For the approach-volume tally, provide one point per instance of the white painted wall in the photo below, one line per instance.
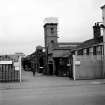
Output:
(103, 17)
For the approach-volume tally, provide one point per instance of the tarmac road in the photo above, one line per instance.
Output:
(46, 90)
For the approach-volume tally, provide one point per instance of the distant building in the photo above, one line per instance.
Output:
(87, 58)
(35, 61)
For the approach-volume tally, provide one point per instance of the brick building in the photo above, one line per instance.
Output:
(55, 52)
(83, 60)
(88, 57)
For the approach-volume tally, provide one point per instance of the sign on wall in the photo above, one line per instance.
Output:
(77, 62)
(17, 66)
(5, 62)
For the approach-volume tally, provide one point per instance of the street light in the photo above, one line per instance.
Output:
(101, 25)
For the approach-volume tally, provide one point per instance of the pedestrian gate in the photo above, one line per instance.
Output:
(8, 72)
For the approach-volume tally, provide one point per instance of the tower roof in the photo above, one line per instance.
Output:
(50, 20)
(39, 47)
(102, 7)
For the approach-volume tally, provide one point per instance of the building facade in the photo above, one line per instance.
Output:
(85, 60)
(103, 18)
(56, 53)
(88, 60)
(88, 57)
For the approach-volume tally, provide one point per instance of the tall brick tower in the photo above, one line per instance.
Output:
(50, 33)
(50, 37)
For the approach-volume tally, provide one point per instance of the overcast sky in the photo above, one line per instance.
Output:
(21, 22)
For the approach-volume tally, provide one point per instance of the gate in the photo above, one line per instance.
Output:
(8, 72)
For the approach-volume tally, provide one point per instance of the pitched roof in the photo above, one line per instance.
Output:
(63, 48)
(59, 53)
(89, 43)
(69, 43)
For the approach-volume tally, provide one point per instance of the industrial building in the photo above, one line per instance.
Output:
(85, 60)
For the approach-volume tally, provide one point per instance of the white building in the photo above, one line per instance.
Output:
(103, 17)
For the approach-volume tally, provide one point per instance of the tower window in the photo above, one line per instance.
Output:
(52, 30)
(52, 43)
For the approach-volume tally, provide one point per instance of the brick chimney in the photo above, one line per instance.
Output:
(96, 31)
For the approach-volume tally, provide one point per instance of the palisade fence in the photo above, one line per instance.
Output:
(88, 67)
(9, 70)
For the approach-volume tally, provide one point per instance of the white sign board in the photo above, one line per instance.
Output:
(17, 68)
(5, 62)
(77, 62)
(68, 64)
(16, 64)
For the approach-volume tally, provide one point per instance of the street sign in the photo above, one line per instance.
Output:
(16, 64)
(17, 68)
(77, 62)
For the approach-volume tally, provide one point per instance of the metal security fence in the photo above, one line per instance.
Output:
(10, 67)
(8, 73)
(88, 67)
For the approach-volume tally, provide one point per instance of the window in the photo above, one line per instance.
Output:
(94, 50)
(80, 52)
(87, 51)
(52, 30)
(52, 44)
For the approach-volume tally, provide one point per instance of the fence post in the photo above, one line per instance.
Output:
(74, 67)
(20, 69)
